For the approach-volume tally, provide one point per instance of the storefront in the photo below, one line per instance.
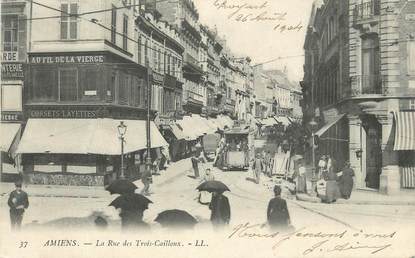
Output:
(74, 103)
(68, 148)
(12, 82)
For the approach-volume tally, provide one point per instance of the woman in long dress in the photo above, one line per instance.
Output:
(346, 181)
(332, 189)
(301, 186)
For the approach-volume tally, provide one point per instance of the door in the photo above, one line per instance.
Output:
(373, 156)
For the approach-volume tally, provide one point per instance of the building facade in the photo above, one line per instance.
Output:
(84, 78)
(358, 76)
(14, 47)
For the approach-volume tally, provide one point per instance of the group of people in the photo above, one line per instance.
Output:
(339, 184)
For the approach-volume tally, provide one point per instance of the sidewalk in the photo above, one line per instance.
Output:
(361, 197)
(175, 170)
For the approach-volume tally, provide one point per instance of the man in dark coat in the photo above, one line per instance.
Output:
(221, 210)
(195, 165)
(277, 213)
(18, 202)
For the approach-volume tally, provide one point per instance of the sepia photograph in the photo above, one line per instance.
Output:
(207, 128)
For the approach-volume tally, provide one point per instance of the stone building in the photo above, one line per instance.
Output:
(359, 76)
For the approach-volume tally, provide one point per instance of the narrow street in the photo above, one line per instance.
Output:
(175, 189)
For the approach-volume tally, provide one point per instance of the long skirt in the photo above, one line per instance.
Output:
(332, 191)
(301, 184)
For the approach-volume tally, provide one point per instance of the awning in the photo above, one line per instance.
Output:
(404, 131)
(8, 132)
(86, 136)
(178, 133)
(188, 128)
(269, 121)
(323, 129)
(283, 120)
(203, 125)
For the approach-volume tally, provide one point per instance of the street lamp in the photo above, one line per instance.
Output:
(313, 124)
(122, 129)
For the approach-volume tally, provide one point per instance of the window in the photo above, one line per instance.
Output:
(11, 97)
(370, 82)
(90, 79)
(125, 33)
(168, 64)
(69, 23)
(146, 58)
(411, 57)
(114, 25)
(68, 84)
(139, 52)
(9, 33)
(123, 89)
(44, 85)
(412, 104)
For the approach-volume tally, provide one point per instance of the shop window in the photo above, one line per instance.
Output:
(125, 33)
(9, 33)
(90, 79)
(411, 57)
(11, 97)
(69, 23)
(123, 89)
(113, 24)
(68, 84)
(44, 82)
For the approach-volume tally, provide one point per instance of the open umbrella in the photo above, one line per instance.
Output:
(213, 186)
(121, 186)
(176, 218)
(131, 201)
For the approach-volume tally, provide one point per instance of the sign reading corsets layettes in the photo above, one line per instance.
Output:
(67, 59)
(63, 114)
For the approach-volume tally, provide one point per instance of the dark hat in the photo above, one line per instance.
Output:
(18, 183)
(277, 190)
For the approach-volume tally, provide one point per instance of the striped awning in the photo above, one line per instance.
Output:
(404, 130)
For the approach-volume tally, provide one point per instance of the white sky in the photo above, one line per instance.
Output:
(258, 39)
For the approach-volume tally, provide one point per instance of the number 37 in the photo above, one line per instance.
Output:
(23, 244)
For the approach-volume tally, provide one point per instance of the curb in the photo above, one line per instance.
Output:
(307, 198)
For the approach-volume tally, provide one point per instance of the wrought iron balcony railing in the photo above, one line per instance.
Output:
(367, 10)
(361, 85)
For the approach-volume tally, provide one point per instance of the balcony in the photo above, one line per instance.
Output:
(368, 12)
(193, 97)
(192, 63)
(364, 85)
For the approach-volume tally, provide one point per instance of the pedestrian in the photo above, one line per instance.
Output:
(301, 182)
(18, 202)
(208, 176)
(195, 165)
(257, 168)
(203, 195)
(278, 216)
(346, 181)
(322, 165)
(156, 166)
(146, 179)
(220, 209)
(132, 219)
(332, 189)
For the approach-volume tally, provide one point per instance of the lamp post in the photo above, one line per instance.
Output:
(313, 124)
(122, 129)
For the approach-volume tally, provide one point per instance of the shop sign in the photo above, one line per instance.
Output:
(9, 56)
(330, 114)
(67, 59)
(158, 78)
(12, 71)
(11, 116)
(63, 114)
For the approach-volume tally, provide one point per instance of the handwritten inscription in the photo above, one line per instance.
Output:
(262, 12)
(327, 242)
